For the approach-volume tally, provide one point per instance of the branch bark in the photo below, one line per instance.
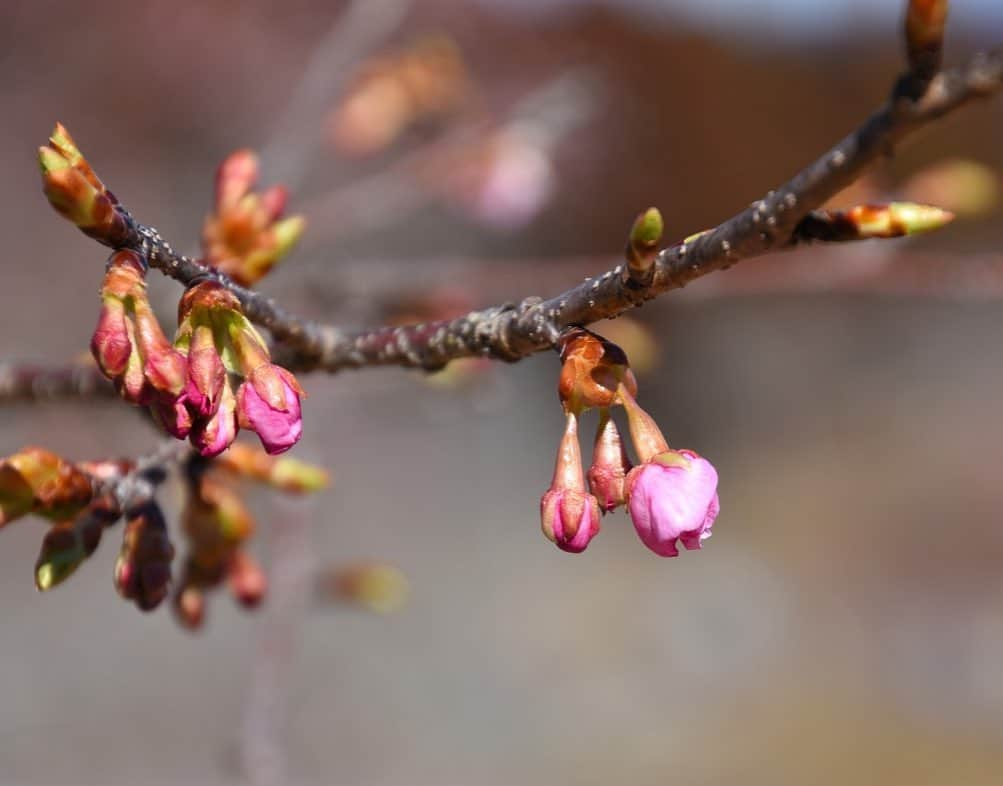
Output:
(513, 331)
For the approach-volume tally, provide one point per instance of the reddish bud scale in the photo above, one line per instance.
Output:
(593, 370)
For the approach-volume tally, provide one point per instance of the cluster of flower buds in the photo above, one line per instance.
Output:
(131, 349)
(245, 235)
(77, 193)
(217, 525)
(671, 495)
(220, 342)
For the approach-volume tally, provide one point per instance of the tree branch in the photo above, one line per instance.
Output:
(511, 332)
(37, 382)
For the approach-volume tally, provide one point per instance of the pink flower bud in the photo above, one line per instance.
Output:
(110, 344)
(206, 373)
(673, 497)
(212, 435)
(569, 515)
(610, 465)
(570, 518)
(269, 404)
(173, 415)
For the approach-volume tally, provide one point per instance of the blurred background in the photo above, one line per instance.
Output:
(845, 623)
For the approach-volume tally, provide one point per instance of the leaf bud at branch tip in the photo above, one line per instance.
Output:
(76, 192)
(897, 219)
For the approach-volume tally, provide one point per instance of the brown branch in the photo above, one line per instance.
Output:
(514, 331)
(31, 382)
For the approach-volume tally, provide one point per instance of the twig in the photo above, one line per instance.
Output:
(513, 331)
(36, 382)
(138, 486)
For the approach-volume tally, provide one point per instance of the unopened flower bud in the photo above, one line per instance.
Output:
(212, 435)
(246, 579)
(673, 497)
(189, 606)
(592, 371)
(38, 481)
(143, 568)
(269, 404)
(569, 515)
(128, 344)
(206, 373)
(65, 546)
(610, 465)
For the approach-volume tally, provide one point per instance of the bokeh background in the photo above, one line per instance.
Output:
(845, 623)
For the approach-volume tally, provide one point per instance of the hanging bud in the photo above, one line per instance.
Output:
(75, 191)
(244, 237)
(65, 546)
(673, 497)
(268, 403)
(569, 515)
(217, 524)
(143, 568)
(610, 465)
(204, 314)
(214, 434)
(128, 344)
(642, 246)
(285, 473)
(246, 579)
(189, 605)
(672, 494)
(593, 370)
(37, 481)
(206, 373)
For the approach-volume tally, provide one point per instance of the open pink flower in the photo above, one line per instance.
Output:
(673, 497)
(268, 403)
